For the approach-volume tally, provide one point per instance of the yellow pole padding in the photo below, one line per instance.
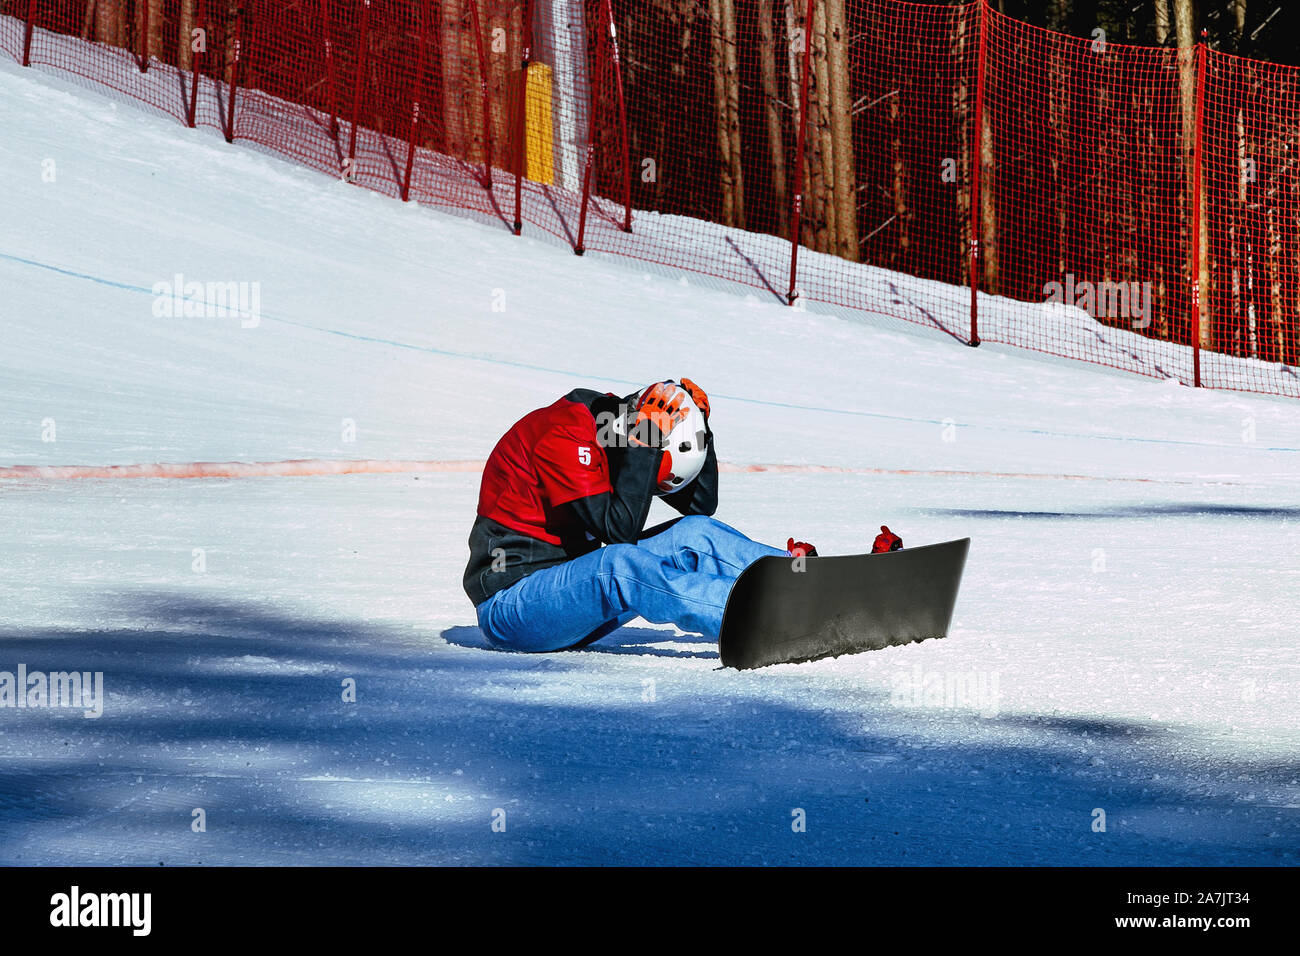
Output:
(539, 123)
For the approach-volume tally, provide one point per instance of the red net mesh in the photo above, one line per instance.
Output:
(134, 48)
(295, 65)
(709, 136)
(1250, 338)
(1084, 218)
(905, 205)
(1135, 207)
(12, 31)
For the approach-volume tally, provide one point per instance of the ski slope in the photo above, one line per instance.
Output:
(1128, 619)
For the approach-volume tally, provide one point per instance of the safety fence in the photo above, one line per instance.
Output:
(1136, 207)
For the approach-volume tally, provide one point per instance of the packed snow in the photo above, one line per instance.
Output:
(1125, 641)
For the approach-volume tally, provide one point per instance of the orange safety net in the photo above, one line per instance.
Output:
(1135, 207)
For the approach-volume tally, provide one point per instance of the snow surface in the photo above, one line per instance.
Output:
(1129, 611)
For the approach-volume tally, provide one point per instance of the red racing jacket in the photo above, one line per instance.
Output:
(559, 484)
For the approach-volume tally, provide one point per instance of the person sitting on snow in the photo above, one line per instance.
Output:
(558, 554)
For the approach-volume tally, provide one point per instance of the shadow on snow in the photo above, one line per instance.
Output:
(237, 709)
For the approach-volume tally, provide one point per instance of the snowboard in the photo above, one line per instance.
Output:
(841, 604)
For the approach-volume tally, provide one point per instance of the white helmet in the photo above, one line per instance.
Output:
(686, 447)
(685, 451)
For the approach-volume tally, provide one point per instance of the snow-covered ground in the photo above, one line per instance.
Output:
(1130, 611)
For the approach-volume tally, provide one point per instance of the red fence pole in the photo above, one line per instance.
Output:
(234, 76)
(580, 248)
(602, 43)
(415, 100)
(143, 61)
(796, 203)
(483, 91)
(520, 124)
(200, 17)
(27, 33)
(1196, 216)
(977, 177)
(363, 60)
(326, 21)
(622, 117)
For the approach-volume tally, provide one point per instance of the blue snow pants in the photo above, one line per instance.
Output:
(679, 575)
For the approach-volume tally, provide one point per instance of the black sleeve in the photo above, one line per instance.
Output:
(700, 497)
(617, 517)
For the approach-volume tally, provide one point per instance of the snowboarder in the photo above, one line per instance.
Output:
(558, 554)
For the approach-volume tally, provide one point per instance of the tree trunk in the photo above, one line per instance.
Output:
(1163, 28)
(110, 22)
(898, 187)
(1256, 308)
(184, 36)
(1198, 258)
(232, 32)
(794, 50)
(471, 88)
(157, 13)
(988, 207)
(499, 65)
(1279, 147)
(824, 151)
(767, 53)
(679, 66)
(721, 131)
(1058, 111)
(731, 58)
(514, 25)
(1250, 255)
(961, 122)
(1058, 15)
(88, 20)
(454, 80)
(148, 28)
(841, 116)
(1237, 9)
(1126, 137)
(795, 38)
(1152, 207)
(725, 71)
(1275, 341)
(1236, 343)
(1104, 235)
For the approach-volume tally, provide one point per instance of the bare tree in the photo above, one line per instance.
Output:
(1058, 15)
(821, 140)
(1239, 249)
(988, 206)
(88, 20)
(800, 38)
(767, 52)
(1237, 9)
(500, 60)
(232, 29)
(1058, 114)
(148, 28)
(471, 88)
(185, 36)
(110, 22)
(961, 112)
(841, 128)
(454, 80)
(725, 70)
(898, 184)
(1198, 261)
(1163, 22)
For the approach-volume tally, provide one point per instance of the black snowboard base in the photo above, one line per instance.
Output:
(842, 604)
